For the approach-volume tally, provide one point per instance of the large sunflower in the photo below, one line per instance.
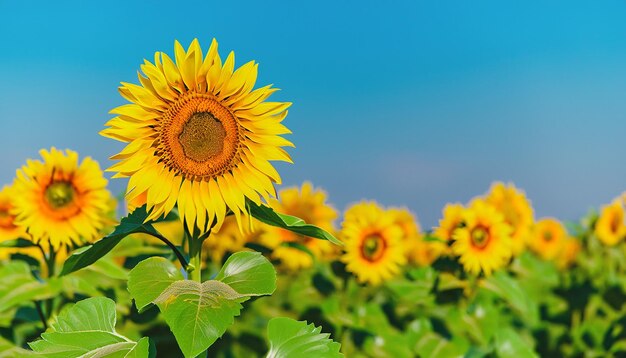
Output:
(199, 136)
(59, 201)
(484, 242)
(610, 227)
(309, 204)
(374, 249)
(517, 212)
(548, 238)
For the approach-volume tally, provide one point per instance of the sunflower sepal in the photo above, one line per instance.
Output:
(134, 223)
(269, 216)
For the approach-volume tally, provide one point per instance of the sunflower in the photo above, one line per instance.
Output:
(418, 251)
(309, 204)
(568, 255)
(59, 201)
(451, 220)
(8, 229)
(484, 242)
(374, 249)
(610, 227)
(548, 238)
(198, 136)
(517, 212)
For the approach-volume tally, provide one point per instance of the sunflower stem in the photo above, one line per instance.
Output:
(195, 253)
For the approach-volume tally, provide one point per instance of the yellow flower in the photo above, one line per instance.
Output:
(517, 212)
(228, 239)
(451, 220)
(309, 204)
(548, 238)
(571, 248)
(484, 242)
(418, 251)
(59, 201)
(610, 227)
(8, 229)
(198, 136)
(374, 249)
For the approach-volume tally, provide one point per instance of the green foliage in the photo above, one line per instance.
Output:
(131, 224)
(199, 313)
(19, 287)
(87, 329)
(291, 338)
(268, 216)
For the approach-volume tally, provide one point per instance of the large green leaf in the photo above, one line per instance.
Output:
(199, 313)
(133, 223)
(291, 338)
(19, 287)
(150, 278)
(87, 329)
(248, 273)
(268, 216)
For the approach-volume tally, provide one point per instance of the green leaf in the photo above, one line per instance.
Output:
(150, 278)
(9, 350)
(510, 344)
(197, 313)
(87, 329)
(248, 273)
(133, 223)
(291, 338)
(268, 216)
(509, 289)
(19, 287)
(17, 243)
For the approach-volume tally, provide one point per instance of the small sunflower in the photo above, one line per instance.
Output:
(610, 227)
(374, 249)
(309, 204)
(199, 136)
(452, 219)
(548, 238)
(568, 255)
(484, 242)
(8, 229)
(418, 251)
(517, 212)
(59, 201)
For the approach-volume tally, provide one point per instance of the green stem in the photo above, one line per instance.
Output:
(194, 269)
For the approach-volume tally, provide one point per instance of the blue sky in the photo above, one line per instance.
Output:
(414, 103)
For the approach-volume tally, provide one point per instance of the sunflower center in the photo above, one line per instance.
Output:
(373, 248)
(59, 194)
(547, 236)
(615, 223)
(199, 137)
(202, 137)
(480, 237)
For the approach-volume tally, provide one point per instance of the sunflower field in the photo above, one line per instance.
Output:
(203, 256)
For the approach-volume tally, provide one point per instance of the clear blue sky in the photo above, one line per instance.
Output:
(414, 103)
